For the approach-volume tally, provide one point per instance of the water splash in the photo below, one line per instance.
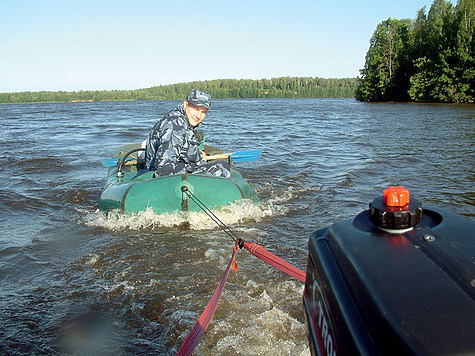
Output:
(234, 213)
(238, 212)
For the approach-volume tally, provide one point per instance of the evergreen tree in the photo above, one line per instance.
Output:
(433, 59)
(386, 63)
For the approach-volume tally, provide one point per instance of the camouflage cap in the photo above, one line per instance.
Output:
(199, 97)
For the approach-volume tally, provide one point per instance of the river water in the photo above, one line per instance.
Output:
(76, 281)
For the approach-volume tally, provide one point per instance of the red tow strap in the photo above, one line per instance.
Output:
(198, 330)
(260, 252)
(273, 260)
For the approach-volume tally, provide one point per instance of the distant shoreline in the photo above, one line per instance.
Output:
(283, 87)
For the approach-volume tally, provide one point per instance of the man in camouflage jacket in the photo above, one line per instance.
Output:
(173, 145)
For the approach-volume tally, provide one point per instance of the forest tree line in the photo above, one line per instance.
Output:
(284, 87)
(429, 59)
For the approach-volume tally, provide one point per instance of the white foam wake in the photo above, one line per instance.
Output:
(234, 213)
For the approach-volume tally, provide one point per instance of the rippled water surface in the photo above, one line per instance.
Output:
(76, 281)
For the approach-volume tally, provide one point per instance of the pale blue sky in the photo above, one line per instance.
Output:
(93, 44)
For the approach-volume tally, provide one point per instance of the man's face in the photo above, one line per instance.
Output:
(195, 114)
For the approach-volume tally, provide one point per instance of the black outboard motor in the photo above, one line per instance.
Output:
(395, 280)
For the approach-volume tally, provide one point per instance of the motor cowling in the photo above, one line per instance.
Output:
(395, 279)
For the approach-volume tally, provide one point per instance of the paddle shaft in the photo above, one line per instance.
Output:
(241, 156)
(220, 156)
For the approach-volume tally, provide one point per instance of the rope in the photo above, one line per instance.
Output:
(198, 330)
(213, 217)
(200, 327)
(257, 250)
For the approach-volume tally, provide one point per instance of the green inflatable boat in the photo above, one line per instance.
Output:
(128, 191)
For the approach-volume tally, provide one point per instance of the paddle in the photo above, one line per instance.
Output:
(241, 156)
(111, 162)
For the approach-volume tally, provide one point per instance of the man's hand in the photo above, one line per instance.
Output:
(203, 153)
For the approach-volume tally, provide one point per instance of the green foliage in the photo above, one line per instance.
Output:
(284, 87)
(429, 59)
(386, 62)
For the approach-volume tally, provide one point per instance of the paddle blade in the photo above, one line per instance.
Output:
(243, 156)
(111, 162)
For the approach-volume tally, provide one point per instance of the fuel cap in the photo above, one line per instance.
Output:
(395, 210)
